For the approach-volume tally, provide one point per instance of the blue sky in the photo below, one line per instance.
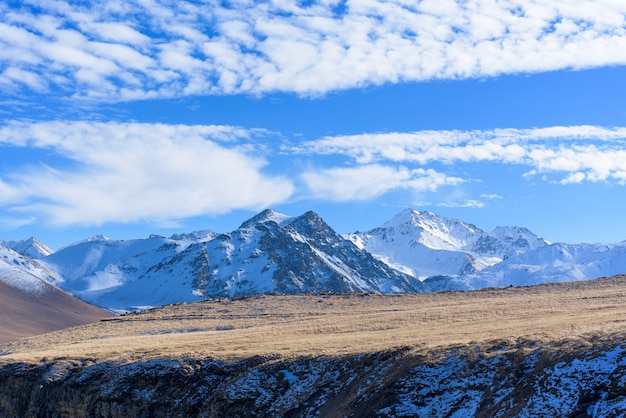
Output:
(144, 116)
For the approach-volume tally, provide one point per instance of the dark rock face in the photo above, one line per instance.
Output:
(298, 255)
(302, 250)
(525, 379)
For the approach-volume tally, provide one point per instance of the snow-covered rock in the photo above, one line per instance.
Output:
(31, 247)
(528, 379)
(269, 253)
(553, 263)
(21, 272)
(425, 244)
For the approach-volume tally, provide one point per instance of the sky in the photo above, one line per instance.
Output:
(138, 117)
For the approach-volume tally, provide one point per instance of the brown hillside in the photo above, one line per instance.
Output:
(24, 314)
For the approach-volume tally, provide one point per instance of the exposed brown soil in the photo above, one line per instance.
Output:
(25, 314)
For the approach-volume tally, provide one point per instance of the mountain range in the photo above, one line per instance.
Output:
(424, 244)
(274, 253)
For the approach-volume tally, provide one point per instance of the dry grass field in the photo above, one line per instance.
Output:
(335, 324)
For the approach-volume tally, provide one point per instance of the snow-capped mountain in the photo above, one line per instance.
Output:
(424, 244)
(270, 252)
(553, 263)
(24, 273)
(117, 274)
(31, 247)
(275, 253)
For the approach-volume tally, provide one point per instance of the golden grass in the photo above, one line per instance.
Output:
(311, 325)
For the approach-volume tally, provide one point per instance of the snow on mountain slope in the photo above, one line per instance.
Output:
(425, 244)
(273, 252)
(104, 272)
(31, 247)
(554, 263)
(270, 252)
(28, 275)
(21, 279)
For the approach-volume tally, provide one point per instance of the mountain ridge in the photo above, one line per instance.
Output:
(276, 253)
(426, 244)
(31, 247)
(269, 253)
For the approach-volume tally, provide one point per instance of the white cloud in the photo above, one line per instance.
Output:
(11, 223)
(491, 196)
(128, 172)
(577, 177)
(15, 76)
(115, 32)
(259, 47)
(464, 204)
(8, 194)
(598, 153)
(133, 172)
(370, 181)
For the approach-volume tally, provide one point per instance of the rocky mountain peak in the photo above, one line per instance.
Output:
(97, 238)
(268, 215)
(429, 229)
(203, 235)
(310, 224)
(31, 247)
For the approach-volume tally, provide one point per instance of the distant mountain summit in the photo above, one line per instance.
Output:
(205, 235)
(432, 230)
(31, 247)
(553, 263)
(425, 244)
(268, 215)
